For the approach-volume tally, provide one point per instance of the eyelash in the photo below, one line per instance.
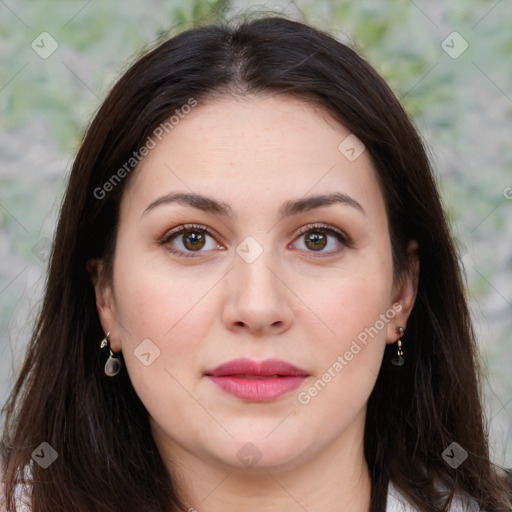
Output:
(318, 227)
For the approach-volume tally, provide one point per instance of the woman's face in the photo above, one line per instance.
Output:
(288, 258)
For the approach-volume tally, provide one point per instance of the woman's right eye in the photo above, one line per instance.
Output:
(186, 240)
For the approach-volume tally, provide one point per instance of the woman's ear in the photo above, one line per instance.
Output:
(404, 292)
(105, 303)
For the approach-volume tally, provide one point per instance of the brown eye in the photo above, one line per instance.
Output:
(321, 239)
(189, 239)
(315, 240)
(193, 240)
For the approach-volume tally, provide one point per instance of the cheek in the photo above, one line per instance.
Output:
(351, 300)
(355, 311)
(154, 298)
(173, 307)
(175, 313)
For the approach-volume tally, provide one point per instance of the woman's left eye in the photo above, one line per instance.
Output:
(321, 239)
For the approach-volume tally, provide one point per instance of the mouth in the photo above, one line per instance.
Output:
(257, 381)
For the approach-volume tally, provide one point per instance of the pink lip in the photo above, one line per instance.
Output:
(257, 382)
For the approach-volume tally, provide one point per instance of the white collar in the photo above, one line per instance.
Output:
(398, 503)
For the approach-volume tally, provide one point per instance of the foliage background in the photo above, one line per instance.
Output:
(462, 106)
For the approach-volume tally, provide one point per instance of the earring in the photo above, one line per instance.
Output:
(399, 359)
(113, 364)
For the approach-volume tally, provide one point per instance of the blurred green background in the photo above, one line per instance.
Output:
(460, 98)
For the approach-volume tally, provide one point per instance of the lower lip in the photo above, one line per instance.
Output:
(258, 390)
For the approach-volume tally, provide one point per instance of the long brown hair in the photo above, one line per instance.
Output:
(107, 459)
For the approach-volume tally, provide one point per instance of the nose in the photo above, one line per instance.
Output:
(258, 300)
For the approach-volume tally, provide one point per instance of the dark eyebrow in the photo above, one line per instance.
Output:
(195, 200)
(305, 204)
(289, 208)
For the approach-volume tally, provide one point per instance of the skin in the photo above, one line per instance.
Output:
(292, 303)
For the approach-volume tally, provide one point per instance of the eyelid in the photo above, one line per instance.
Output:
(320, 225)
(188, 227)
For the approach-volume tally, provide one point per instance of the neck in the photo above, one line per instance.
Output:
(335, 479)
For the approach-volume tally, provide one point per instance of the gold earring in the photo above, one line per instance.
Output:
(399, 359)
(113, 364)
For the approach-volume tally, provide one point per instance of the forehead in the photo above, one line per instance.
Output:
(246, 147)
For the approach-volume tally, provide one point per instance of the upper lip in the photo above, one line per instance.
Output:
(244, 366)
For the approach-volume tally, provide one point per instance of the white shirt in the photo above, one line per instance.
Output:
(398, 503)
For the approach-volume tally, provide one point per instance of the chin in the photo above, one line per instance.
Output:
(252, 453)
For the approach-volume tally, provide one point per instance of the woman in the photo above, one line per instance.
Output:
(253, 300)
